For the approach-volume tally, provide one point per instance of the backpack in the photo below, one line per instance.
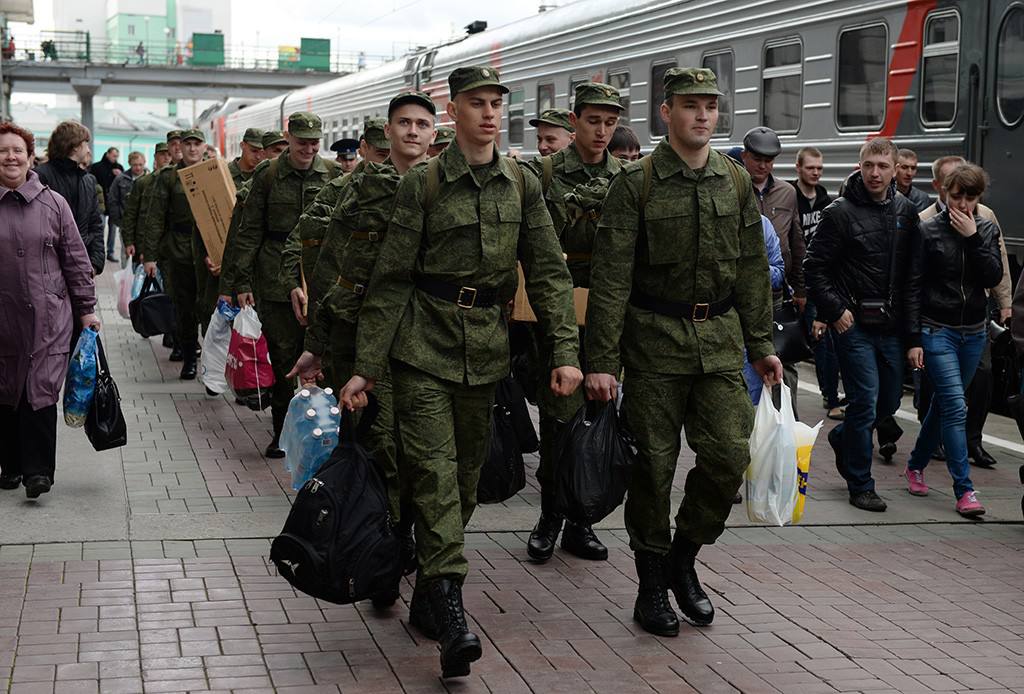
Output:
(337, 543)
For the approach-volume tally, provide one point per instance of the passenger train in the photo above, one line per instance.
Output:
(938, 76)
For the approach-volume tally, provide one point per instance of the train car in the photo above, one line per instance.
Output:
(212, 121)
(939, 76)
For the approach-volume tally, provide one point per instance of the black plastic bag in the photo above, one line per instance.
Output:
(503, 474)
(104, 424)
(788, 334)
(1005, 371)
(595, 455)
(510, 395)
(152, 311)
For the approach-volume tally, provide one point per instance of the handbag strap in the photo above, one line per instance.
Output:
(101, 358)
(356, 432)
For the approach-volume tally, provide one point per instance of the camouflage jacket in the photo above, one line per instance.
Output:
(167, 234)
(135, 211)
(470, 235)
(271, 210)
(697, 240)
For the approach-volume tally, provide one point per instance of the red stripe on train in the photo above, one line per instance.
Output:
(906, 56)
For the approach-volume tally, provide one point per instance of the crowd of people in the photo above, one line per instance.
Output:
(388, 272)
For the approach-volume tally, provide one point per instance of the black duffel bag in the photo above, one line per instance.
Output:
(789, 334)
(503, 474)
(338, 543)
(595, 455)
(510, 395)
(152, 312)
(104, 424)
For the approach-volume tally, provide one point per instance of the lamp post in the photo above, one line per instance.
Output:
(148, 47)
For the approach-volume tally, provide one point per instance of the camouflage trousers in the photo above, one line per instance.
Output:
(715, 412)
(443, 428)
(207, 291)
(284, 344)
(554, 412)
(180, 279)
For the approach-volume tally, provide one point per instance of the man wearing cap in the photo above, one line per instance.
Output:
(242, 167)
(554, 130)
(135, 209)
(435, 306)
(280, 189)
(442, 138)
(168, 241)
(373, 143)
(679, 287)
(776, 200)
(174, 145)
(347, 154)
(584, 162)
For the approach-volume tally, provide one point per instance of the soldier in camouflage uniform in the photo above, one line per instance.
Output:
(555, 130)
(442, 139)
(280, 189)
(132, 223)
(168, 241)
(679, 287)
(174, 146)
(586, 160)
(435, 306)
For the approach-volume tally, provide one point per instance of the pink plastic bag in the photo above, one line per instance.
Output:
(248, 370)
(123, 278)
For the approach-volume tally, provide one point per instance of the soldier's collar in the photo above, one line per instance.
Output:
(667, 162)
(319, 164)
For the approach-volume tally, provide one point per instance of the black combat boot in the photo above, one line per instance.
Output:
(682, 573)
(459, 646)
(189, 362)
(273, 450)
(421, 612)
(581, 541)
(541, 544)
(652, 609)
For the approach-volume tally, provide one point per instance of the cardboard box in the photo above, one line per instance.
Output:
(211, 196)
(523, 312)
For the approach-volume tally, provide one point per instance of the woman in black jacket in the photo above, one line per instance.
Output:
(956, 258)
(67, 148)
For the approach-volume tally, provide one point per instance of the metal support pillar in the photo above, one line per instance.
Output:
(86, 89)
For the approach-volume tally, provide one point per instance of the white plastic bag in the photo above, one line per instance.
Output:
(215, 348)
(772, 484)
(247, 323)
(123, 278)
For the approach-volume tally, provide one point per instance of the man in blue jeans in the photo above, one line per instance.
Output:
(852, 274)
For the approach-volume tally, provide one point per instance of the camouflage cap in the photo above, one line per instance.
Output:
(160, 147)
(694, 81)
(597, 94)
(444, 135)
(253, 136)
(193, 134)
(273, 137)
(464, 79)
(373, 133)
(305, 125)
(412, 97)
(173, 135)
(558, 117)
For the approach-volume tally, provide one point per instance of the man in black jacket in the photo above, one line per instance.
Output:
(852, 275)
(105, 171)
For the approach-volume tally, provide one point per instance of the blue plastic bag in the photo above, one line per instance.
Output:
(80, 385)
(140, 277)
(310, 409)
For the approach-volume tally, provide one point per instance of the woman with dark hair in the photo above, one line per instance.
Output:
(66, 151)
(46, 288)
(955, 259)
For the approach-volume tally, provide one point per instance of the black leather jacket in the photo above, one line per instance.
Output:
(857, 245)
(78, 187)
(949, 274)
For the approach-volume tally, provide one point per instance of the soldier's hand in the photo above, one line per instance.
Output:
(844, 323)
(915, 357)
(1004, 316)
(565, 380)
(353, 394)
(602, 387)
(214, 269)
(299, 305)
(150, 268)
(130, 250)
(226, 298)
(307, 368)
(769, 369)
(246, 299)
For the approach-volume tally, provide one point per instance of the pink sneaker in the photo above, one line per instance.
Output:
(915, 482)
(968, 505)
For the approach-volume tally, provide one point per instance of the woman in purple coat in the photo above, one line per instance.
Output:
(45, 285)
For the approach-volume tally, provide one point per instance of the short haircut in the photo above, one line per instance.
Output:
(112, 149)
(624, 138)
(907, 154)
(879, 145)
(971, 179)
(65, 138)
(136, 155)
(12, 129)
(941, 162)
(803, 152)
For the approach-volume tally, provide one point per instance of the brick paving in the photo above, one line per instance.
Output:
(168, 588)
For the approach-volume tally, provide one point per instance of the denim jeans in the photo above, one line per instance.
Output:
(826, 363)
(111, 237)
(872, 370)
(950, 359)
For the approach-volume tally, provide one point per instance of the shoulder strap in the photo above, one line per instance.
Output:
(518, 178)
(647, 165)
(271, 175)
(433, 183)
(547, 173)
(743, 192)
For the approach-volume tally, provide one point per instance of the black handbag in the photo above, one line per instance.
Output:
(104, 424)
(788, 333)
(152, 312)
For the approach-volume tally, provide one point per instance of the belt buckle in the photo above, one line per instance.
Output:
(372, 236)
(700, 313)
(463, 303)
(358, 289)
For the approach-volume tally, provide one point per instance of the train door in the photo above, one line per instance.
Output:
(1002, 152)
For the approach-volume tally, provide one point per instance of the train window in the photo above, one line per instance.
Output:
(545, 98)
(515, 118)
(573, 83)
(1010, 68)
(658, 127)
(860, 81)
(782, 86)
(940, 63)
(722, 65)
(620, 80)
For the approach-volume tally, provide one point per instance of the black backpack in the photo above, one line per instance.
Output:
(338, 544)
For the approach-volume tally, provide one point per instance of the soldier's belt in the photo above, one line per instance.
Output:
(281, 236)
(578, 257)
(463, 297)
(310, 243)
(181, 227)
(697, 313)
(367, 235)
(357, 289)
